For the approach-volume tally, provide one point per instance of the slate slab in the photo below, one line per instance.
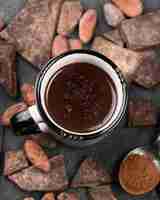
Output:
(111, 150)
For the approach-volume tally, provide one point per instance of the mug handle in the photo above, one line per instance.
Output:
(28, 122)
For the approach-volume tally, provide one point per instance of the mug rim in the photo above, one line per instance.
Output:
(58, 130)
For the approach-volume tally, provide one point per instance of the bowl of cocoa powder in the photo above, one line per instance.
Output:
(139, 172)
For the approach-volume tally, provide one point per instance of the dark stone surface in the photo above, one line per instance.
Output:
(112, 150)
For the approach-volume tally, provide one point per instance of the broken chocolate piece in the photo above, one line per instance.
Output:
(33, 179)
(49, 196)
(114, 36)
(33, 29)
(142, 32)
(91, 173)
(8, 67)
(126, 60)
(148, 72)
(141, 113)
(70, 15)
(102, 193)
(14, 161)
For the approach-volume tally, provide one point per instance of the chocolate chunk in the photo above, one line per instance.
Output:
(33, 29)
(91, 173)
(70, 14)
(141, 113)
(8, 67)
(148, 72)
(33, 179)
(126, 60)
(114, 36)
(143, 31)
(102, 193)
(14, 161)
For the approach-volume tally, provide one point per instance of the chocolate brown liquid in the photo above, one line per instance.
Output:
(80, 97)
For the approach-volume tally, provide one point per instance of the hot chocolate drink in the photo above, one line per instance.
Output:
(81, 97)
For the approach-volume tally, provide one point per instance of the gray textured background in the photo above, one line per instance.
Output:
(112, 150)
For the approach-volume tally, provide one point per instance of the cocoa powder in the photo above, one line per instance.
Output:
(138, 174)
